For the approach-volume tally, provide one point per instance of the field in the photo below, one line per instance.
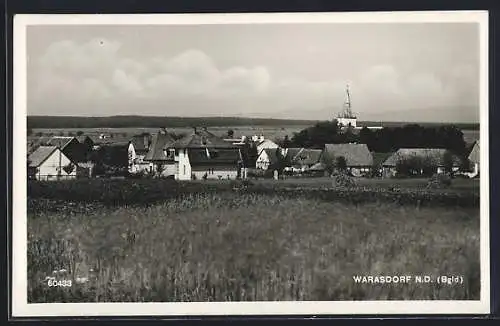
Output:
(208, 242)
(270, 132)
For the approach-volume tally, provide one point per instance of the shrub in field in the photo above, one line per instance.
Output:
(439, 180)
(343, 179)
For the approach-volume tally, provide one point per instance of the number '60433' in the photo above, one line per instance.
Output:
(59, 283)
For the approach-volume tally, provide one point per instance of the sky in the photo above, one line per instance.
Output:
(411, 71)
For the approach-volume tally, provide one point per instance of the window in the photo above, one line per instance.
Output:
(184, 169)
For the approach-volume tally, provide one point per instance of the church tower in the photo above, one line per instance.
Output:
(346, 118)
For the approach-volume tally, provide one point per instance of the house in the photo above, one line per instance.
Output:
(139, 150)
(160, 160)
(202, 155)
(358, 158)
(426, 161)
(267, 159)
(50, 163)
(474, 158)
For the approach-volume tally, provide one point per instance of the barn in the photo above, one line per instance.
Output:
(358, 158)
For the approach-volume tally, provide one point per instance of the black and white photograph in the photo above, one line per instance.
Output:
(238, 164)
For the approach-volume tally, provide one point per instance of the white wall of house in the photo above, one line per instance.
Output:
(216, 173)
(183, 165)
(132, 167)
(262, 161)
(54, 166)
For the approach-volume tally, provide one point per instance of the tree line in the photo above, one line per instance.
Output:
(380, 140)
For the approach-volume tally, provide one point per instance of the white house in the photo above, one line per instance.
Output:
(267, 159)
(202, 155)
(50, 163)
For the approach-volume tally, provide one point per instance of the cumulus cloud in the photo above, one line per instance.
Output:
(98, 75)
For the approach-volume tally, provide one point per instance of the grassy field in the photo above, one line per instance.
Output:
(217, 246)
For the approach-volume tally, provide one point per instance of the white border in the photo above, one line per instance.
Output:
(20, 307)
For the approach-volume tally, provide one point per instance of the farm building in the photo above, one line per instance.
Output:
(267, 159)
(160, 160)
(358, 158)
(50, 163)
(203, 155)
(306, 158)
(420, 161)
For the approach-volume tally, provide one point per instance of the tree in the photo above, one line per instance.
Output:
(448, 162)
(328, 163)
(325, 132)
(230, 133)
(341, 163)
(79, 133)
(249, 154)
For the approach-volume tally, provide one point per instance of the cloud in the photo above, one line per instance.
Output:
(97, 77)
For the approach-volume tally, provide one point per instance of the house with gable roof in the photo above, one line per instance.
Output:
(359, 159)
(50, 163)
(161, 161)
(432, 158)
(202, 155)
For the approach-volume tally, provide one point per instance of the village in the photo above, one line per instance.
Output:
(201, 155)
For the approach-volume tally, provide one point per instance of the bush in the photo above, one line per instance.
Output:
(439, 180)
(344, 180)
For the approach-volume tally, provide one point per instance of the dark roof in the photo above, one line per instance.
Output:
(40, 155)
(199, 156)
(354, 154)
(156, 152)
(141, 143)
(271, 154)
(474, 153)
(58, 141)
(379, 158)
(307, 156)
(83, 138)
(290, 154)
(436, 155)
(202, 139)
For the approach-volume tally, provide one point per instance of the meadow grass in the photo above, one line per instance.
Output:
(208, 247)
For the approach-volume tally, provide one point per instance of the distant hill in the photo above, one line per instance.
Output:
(59, 122)
(75, 122)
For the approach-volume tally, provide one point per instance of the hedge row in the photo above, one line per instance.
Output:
(144, 192)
